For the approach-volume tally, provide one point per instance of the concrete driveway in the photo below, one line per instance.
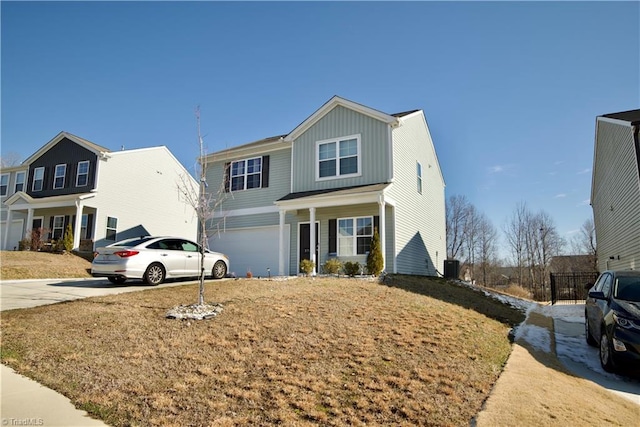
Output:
(32, 293)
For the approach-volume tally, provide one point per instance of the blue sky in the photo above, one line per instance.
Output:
(510, 90)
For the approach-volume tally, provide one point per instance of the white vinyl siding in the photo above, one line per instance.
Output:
(20, 180)
(38, 179)
(58, 178)
(82, 177)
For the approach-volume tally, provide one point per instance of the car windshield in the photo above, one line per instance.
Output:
(628, 288)
(129, 243)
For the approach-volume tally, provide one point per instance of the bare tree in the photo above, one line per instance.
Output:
(585, 242)
(10, 159)
(203, 202)
(456, 217)
(515, 231)
(487, 247)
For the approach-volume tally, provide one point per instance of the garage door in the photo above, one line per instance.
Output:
(15, 234)
(252, 249)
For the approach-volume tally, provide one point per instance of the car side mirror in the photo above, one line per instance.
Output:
(597, 295)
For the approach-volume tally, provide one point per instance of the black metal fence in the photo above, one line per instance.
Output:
(571, 286)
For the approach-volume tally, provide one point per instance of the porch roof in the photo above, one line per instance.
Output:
(358, 194)
(22, 200)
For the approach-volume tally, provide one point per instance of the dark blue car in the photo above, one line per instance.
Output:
(612, 320)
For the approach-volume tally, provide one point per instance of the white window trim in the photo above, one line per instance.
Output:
(337, 141)
(33, 184)
(56, 176)
(245, 174)
(53, 229)
(107, 228)
(24, 181)
(7, 186)
(87, 174)
(419, 175)
(355, 234)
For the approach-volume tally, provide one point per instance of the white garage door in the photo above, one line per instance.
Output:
(252, 249)
(15, 234)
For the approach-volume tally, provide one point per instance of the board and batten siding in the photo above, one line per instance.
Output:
(616, 198)
(420, 218)
(337, 123)
(279, 182)
(140, 189)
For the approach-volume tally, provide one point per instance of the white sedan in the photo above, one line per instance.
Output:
(154, 259)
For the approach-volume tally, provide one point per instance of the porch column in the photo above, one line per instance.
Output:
(7, 230)
(281, 253)
(77, 225)
(29, 223)
(382, 231)
(312, 239)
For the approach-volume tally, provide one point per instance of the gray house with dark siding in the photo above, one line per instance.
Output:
(105, 196)
(347, 169)
(615, 190)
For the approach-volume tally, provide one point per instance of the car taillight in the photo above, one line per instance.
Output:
(126, 253)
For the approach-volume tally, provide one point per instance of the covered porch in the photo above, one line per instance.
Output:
(51, 214)
(335, 213)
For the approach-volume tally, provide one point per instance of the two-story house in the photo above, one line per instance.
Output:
(344, 171)
(106, 196)
(615, 190)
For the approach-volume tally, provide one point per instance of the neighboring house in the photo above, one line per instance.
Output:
(106, 196)
(615, 190)
(347, 169)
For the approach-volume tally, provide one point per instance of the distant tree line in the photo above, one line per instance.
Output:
(531, 240)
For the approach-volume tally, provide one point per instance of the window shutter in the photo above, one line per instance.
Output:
(66, 222)
(265, 171)
(333, 236)
(73, 224)
(376, 224)
(227, 174)
(89, 226)
(50, 227)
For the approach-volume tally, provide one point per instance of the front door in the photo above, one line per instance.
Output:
(305, 242)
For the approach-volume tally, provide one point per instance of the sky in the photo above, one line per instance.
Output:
(510, 90)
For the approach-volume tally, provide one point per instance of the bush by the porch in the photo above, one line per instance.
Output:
(375, 262)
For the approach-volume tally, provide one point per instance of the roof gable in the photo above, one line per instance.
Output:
(631, 116)
(330, 105)
(59, 137)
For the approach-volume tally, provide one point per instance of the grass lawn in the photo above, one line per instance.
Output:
(42, 265)
(304, 351)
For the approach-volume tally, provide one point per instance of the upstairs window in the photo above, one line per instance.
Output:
(246, 174)
(20, 178)
(38, 179)
(82, 177)
(4, 184)
(338, 158)
(419, 173)
(354, 235)
(58, 178)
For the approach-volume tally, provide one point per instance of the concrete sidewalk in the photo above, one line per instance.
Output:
(24, 401)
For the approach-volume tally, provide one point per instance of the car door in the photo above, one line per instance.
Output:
(191, 252)
(601, 306)
(172, 256)
(592, 308)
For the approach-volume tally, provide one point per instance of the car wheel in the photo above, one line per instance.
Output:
(605, 352)
(219, 270)
(154, 274)
(587, 332)
(117, 280)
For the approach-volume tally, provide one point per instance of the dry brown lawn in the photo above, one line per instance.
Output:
(42, 265)
(320, 351)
